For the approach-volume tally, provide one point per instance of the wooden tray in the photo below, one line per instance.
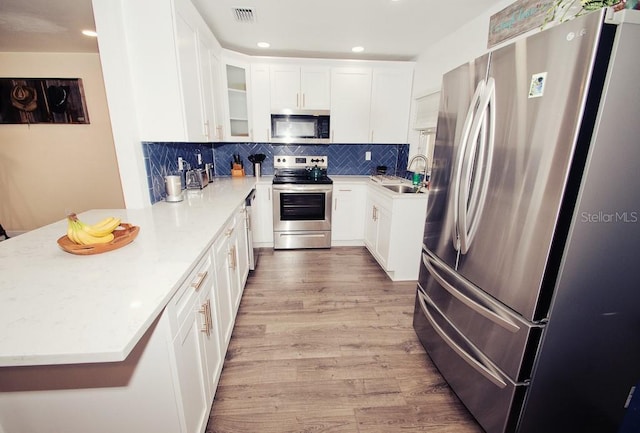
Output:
(123, 235)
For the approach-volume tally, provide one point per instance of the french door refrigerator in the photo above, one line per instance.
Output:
(528, 299)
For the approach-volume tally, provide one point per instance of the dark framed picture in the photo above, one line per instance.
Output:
(42, 100)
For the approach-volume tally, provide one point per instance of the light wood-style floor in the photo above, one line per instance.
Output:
(324, 342)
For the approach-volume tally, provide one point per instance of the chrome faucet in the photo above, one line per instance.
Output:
(424, 172)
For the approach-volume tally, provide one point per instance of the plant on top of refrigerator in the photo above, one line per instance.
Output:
(564, 10)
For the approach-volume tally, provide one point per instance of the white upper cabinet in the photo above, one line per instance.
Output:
(190, 79)
(237, 86)
(371, 104)
(350, 104)
(160, 78)
(260, 101)
(390, 104)
(296, 87)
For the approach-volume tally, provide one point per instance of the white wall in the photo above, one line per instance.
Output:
(47, 170)
(466, 43)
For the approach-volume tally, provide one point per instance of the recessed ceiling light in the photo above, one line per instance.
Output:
(264, 44)
(89, 33)
(357, 49)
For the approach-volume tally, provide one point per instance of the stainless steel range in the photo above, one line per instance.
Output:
(302, 194)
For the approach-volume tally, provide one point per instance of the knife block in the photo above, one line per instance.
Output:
(235, 172)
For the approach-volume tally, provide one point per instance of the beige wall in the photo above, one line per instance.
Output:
(47, 170)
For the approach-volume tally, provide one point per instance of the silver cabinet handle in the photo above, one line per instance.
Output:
(476, 364)
(484, 310)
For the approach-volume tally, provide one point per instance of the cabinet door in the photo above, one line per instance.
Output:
(263, 216)
(391, 87)
(222, 289)
(370, 225)
(285, 87)
(210, 340)
(237, 102)
(187, 321)
(260, 97)
(218, 101)
(378, 229)
(208, 92)
(315, 87)
(350, 105)
(187, 46)
(348, 215)
(242, 250)
(383, 236)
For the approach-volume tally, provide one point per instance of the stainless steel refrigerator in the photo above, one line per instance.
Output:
(528, 300)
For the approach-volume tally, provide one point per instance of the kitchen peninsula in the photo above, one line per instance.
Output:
(102, 343)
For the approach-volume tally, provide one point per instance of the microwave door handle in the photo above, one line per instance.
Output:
(476, 364)
(483, 310)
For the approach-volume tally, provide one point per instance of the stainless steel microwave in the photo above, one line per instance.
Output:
(301, 127)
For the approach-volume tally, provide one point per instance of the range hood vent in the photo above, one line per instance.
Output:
(244, 15)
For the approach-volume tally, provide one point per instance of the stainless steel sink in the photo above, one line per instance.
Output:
(404, 189)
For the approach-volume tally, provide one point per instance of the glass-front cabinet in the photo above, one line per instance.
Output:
(237, 86)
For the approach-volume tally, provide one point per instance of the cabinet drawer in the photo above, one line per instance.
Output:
(181, 305)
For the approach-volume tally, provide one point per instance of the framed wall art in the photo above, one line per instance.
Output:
(42, 100)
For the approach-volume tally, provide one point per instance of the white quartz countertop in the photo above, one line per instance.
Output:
(60, 308)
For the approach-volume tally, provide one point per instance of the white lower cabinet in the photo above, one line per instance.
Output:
(393, 231)
(196, 346)
(347, 215)
(262, 218)
(231, 259)
(167, 383)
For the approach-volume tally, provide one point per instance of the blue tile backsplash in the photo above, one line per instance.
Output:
(161, 159)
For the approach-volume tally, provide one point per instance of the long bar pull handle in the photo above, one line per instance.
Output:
(425, 302)
(473, 197)
(205, 311)
(335, 204)
(478, 308)
(457, 170)
(209, 316)
(201, 277)
(303, 101)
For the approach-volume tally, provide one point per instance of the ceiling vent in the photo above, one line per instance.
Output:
(244, 15)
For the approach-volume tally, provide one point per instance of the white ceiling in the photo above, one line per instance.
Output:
(299, 28)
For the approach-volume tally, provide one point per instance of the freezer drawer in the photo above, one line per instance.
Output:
(504, 336)
(490, 395)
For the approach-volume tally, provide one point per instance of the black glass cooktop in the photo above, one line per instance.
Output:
(301, 176)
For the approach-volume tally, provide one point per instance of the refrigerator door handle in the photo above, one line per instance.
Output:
(484, 310)
(472, 198)
(462, 151)
(485, 370)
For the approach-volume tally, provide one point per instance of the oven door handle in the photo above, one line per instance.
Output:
(302, 188)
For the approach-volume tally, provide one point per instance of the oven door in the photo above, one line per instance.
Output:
(302, 207)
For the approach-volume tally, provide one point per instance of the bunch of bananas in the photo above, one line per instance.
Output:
(85, 234)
